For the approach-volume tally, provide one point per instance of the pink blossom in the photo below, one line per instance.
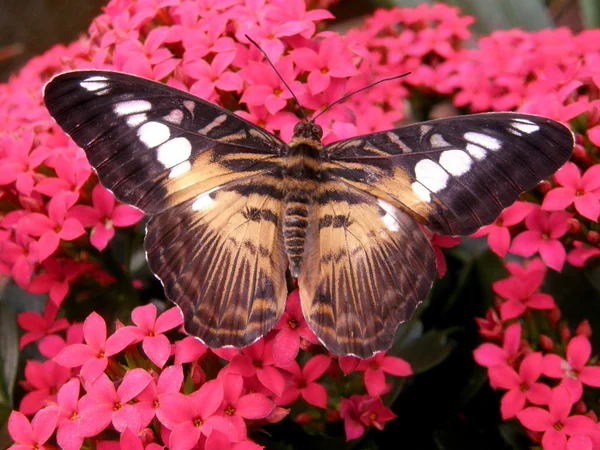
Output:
(303, 382)
(329, 61)
(37, 326)
(93, 355)
(266, 88)
(583, 191)
(149, 404)
(581, 253)
(104, 216)
(189, 349)
(50, 346)
(520, 293)
(35, 434)
(19, 164)
(490, 355)
(490, 327)
(21, 255)
(361, 411)
(439, 242)
(498, 233)
(54, 227)
(56, 279)
(105, 404)
(573, 370)
(521, 386)
(556, 424)
(194, 416)
(238, 406)
(71, 175)
(67, 435)
(257, 359)
(150, 330)
(292, 330)
(213, 76)
(44, 379)
(544, 231)
(375, 369)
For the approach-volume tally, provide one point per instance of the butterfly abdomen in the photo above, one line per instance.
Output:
(301, 175)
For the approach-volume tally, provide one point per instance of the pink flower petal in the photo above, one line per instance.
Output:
(208, 398)
(590, 376)
(126, 216)
(271, 378)
(499, 240)
(119, 340)
(489, 355)
(168, 320)
(47, 244)
(157, 348)
(75, 355)
(144, 317)
(20, 429)
(318, 82)
(553, 253)
(395, 366)
(93, 368)
(71, 229)
(554, 440)
(254, 406)
(579, 351)
(578, 425)
(552, 366)
(539, 394)
(127, 417)
(134, 382)
(286, 346)
(100, 236)
(512, 402)
(558, 199)
(315, 367)
(94, 331)
(588, 205)
(536, 419)
(579, 442)
(184, 436)
(375, 382)
(315, 394)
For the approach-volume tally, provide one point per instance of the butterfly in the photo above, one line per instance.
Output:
(232, 206)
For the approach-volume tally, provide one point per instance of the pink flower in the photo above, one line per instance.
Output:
(149, 404)
(189, 349)
(375, 369)
(93, 355)
(104, 216)
(67, 435)
(257, 359)
(55, 226)
(266, 88)
(105, 404)
(35, 434)
(56, 280)
(331, 60)
(303, 382)
(150, 330)
(490, 327)
(45, 379)
(573, 370)
(543, 237)
(361, 411)
(18, 164)
(51, 345)
(556, 424)
(439, 242)
(213, 76)
(521, 386)
(490, 355)
(521, 293)
(498, 233)
(194, 416)
(37, 326)
(237, 406)
(292, 330)
(583, 191)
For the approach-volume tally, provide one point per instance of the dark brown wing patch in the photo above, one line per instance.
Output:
(367, 266)
(221, 259)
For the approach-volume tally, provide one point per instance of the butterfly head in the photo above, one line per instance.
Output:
(308, 132)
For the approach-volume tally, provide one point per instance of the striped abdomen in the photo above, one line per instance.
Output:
(295, 222)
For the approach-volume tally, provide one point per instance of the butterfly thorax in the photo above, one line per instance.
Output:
(302, 173)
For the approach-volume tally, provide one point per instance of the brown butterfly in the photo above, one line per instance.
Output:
(232, 206)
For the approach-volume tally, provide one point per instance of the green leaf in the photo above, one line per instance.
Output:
(590, 13)
(9, 353)
(592, 272)
(493, 15)
(5, 439)
(429, 351)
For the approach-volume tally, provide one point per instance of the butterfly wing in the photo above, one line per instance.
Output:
(454, 175)
(367, 266)
(211, 181)
(152, 145)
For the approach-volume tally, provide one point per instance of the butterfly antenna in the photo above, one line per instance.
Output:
(279, 75)
(360, 90)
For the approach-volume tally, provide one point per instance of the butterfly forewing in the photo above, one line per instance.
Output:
(154, 146)
(454, 175)
(367, 266)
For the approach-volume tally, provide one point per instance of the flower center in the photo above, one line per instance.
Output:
(579, 193)
(545, 236)
(277, 91)
(324, 70)
(156, 404)
(230, 410)
(293, 324)
(558, 426)
(257, 364)
(198, 422)
(117, 406)
(524, 387)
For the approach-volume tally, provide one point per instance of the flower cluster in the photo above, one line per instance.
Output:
(153, 390)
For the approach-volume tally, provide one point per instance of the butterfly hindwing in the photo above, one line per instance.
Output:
(154, 146)
(220, 257)
(457, 174)
(367, 266)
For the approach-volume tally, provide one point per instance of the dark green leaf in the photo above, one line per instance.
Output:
(9, 353)
(590, 13)
(429, 351)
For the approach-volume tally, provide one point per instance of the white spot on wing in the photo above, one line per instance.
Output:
(180, 169)
(97, 87)
(203, 201)
(215, 123)
(421, 191)
(136, 119)
(153, 133)
(437, 140)
(132, 107)
(526, 126)
(483, 140)
(431, 175)
(476, 151)
(174, 117)
(456, 162)
(389, 220)
(174, 152)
